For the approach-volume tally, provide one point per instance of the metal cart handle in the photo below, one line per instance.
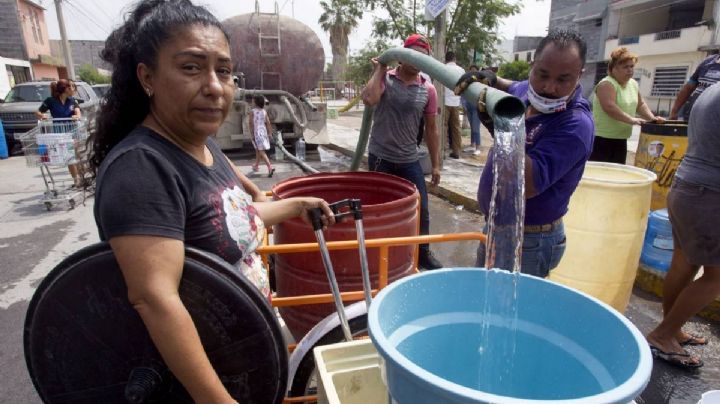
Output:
(354, 207)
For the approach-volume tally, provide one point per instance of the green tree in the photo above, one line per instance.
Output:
(516, 71)
(89, 74)
(472, 24)
(359, 68)
(339, 18)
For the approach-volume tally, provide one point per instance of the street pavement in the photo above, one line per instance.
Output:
(33, 241)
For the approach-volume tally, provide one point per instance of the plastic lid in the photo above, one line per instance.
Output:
(83, 339)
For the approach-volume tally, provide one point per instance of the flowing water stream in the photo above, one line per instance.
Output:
(504, 245)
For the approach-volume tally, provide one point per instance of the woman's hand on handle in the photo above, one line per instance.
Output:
(328, 217)
(275, 212)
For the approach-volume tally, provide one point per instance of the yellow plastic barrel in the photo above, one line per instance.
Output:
(661, 149)
(605, 226)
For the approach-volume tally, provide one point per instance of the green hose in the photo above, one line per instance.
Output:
(363, 138)
(498, 103)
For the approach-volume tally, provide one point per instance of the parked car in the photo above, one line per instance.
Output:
(17, 112)
(101, 89)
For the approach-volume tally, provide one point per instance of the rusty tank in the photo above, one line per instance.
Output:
(282, 59)
(275, 52)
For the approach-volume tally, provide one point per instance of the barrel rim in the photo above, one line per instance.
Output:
(650, 176)
(414, 195)
(630, 387)
(659, 129)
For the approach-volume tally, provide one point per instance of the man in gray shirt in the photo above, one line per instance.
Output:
(692, 205)
(402, 98)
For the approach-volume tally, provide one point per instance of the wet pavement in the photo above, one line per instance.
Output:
(33, 241)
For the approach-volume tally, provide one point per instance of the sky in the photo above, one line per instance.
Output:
(95, 19)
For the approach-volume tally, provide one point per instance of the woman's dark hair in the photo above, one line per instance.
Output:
(59, 87)
(148, 27)
(563, 38)
(259, 101)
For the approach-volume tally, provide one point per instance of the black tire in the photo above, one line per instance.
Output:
(306, 370)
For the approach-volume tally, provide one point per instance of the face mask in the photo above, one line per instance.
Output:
(546, 105)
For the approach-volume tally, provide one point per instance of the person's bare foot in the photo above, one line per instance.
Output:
(684, 338)
(670, 350)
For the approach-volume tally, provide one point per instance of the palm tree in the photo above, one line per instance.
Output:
(339, 18)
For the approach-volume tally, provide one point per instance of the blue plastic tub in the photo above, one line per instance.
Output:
(447, 336)
(658, 246)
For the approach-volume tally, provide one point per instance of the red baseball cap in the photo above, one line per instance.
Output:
(418, 40)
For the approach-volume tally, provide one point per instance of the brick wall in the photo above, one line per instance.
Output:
(83, 52)
(11, 40)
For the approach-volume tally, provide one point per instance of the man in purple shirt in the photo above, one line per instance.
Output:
(559, 137)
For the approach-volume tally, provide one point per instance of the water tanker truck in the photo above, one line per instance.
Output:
(282, 59)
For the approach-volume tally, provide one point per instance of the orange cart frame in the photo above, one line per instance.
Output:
(383, 244)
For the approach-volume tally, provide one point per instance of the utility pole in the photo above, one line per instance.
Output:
(66, 45)
(439, 47)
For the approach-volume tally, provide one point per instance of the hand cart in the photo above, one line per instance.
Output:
(52, 144)
(93, 347)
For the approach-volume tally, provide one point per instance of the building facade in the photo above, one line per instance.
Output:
(588, 17)
(670, 37)
(24, 45)
(524, 47)
(31, 18)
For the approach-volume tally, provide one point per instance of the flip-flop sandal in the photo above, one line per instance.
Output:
(681, 360)
(694, 340)
(272, 171)
(255, 168)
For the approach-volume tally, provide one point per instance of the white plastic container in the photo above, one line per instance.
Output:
(300, 149)
(710, 397)
(59, 147)
(349, 373)
(605, 226)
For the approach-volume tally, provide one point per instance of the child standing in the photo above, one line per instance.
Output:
(260, 129)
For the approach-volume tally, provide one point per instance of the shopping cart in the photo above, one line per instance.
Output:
(55, 144)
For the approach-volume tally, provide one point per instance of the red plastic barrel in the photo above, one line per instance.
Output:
(390, 209)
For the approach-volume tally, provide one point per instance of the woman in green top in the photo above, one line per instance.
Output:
(616, 104)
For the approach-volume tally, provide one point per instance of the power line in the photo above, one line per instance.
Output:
(110, 20)
(87, 16)
(82, 30)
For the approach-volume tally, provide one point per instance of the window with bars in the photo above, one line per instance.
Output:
(667, 81)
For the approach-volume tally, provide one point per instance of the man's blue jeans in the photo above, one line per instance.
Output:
(474, 119)
(541, 252)
(413, 173)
